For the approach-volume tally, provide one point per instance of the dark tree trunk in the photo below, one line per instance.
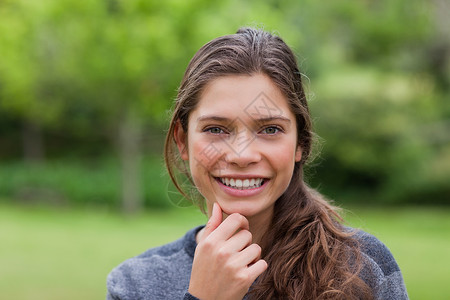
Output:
(130, 157)
(33, 142)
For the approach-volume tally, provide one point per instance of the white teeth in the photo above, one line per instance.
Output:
(246, 183)
(240, 184)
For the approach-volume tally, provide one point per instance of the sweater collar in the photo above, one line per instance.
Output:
(190, 242)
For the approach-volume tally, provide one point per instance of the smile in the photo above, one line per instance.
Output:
(242, 184)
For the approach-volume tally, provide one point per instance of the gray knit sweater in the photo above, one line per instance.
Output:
(164, 272)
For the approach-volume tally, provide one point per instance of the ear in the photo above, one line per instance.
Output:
(298, 154)
(181, 140)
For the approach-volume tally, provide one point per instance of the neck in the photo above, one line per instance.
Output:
(259, 227)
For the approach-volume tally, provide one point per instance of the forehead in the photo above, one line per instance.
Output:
(253, 96)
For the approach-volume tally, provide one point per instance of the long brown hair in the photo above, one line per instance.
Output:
(309, 253)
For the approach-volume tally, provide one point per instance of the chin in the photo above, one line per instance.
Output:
(248, 210)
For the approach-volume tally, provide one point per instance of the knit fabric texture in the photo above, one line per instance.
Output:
(164, 272)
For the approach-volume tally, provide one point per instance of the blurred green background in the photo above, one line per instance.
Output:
(85, 92)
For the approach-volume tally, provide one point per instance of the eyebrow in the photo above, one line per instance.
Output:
(212, 118)
(274, 118)
(224, 119)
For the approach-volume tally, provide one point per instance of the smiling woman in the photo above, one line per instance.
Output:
(241, 133)
(249, 148)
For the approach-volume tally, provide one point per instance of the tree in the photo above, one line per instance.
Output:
(117, 61)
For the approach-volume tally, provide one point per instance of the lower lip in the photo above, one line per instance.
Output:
(242, 193)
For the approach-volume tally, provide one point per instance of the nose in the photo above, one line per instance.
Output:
(243, 151)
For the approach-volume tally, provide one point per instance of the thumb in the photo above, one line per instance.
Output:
(214, 221)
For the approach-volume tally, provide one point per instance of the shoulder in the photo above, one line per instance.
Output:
(158, 271)
(380, 270)
(374, 249)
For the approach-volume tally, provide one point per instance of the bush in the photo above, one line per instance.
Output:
(81, 182)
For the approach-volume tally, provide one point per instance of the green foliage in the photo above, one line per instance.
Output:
(106, 56)
(378, 81)
(82, 183)
(385, 142)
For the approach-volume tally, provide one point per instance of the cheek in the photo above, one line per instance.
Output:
(204, 154)
(205, 162)
(283, 162)
(282, 153)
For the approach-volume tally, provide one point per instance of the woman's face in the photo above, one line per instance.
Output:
(241, 144)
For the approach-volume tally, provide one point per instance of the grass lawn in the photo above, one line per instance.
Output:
(66, 254)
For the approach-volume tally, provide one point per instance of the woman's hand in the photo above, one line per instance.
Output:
(226, 263)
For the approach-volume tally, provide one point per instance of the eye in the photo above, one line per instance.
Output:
(271, 130)
(214, 130)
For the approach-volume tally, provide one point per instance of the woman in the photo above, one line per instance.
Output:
(241, 133)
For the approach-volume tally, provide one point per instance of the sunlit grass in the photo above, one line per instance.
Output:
(66, 254)
(54, 254)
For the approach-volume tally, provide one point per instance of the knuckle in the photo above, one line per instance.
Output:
(207, 245)
(242, 277)
(223, 253)
(231, 268)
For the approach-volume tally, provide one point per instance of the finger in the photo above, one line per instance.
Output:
(248, 256)
(239, 241)
(256, 269)
(214, 221)
(229, 227)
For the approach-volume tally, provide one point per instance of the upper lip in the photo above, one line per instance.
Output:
(241, 176)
